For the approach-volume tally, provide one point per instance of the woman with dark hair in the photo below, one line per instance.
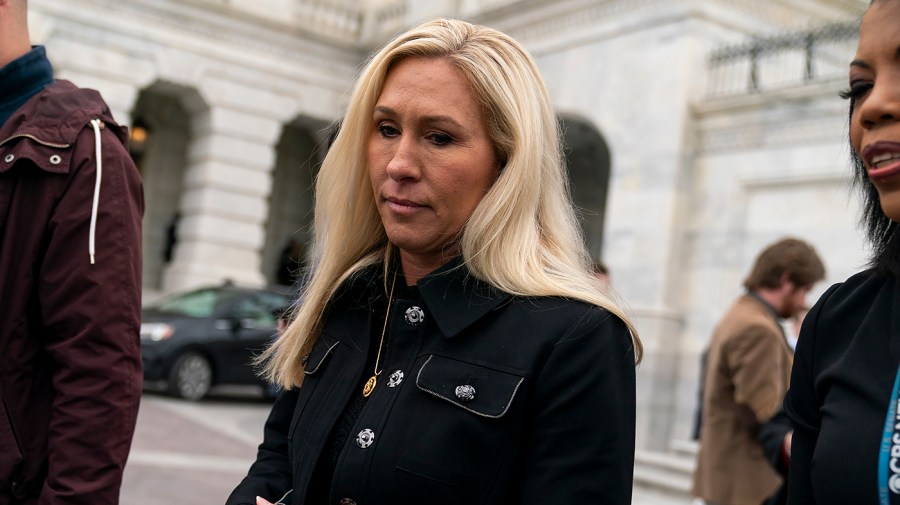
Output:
(845, 381)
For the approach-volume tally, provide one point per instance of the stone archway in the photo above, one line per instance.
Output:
(300, 152)
(588, 161)
(160, 139)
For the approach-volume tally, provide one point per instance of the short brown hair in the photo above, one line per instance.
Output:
(792, 256)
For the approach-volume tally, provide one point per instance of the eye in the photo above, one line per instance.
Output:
(440, 139)
(387, 130)
(857, 90)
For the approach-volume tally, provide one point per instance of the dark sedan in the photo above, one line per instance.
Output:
(207, 337)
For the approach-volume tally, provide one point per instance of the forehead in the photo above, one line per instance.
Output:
(880, 27)
(420, 78)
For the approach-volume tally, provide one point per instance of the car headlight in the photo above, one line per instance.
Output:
(156, 331)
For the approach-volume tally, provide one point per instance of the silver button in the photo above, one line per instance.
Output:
(365, 438)
(9, 157)
(55, 159)
(465, 393)
(395, 379)
(346, 501)
(414, 316)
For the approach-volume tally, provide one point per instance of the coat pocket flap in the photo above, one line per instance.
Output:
(481, 390)
(313, 361)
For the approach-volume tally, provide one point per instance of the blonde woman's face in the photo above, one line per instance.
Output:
(875, 88)
(430, 158)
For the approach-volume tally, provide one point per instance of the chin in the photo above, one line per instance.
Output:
(890, 204)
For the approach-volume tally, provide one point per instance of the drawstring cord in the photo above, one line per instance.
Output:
(96, 123)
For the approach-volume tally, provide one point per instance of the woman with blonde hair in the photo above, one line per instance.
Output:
(452, 344)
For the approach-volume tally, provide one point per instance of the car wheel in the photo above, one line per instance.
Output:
(191, 376)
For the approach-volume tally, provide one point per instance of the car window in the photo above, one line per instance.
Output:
(200, 303)
(261, 308)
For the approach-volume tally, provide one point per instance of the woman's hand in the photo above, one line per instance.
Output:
(262, 501)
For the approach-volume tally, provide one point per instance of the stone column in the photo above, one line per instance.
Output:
(225, 201)
(89, 67)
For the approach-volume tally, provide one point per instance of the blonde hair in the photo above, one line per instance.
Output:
(523, 237)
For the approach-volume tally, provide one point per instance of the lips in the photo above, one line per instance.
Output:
(401, 201)
(402, 205)
(882, 160)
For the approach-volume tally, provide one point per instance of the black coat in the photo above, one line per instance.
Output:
(844, 372)
(551, 421)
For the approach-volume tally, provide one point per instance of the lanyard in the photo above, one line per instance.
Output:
(889, 452)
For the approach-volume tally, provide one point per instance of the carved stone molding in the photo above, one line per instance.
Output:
(210, 25)
(807, 130)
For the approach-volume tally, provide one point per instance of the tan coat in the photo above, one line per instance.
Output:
(747, 374)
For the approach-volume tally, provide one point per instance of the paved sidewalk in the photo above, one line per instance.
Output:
(191, 453)
(652, 497)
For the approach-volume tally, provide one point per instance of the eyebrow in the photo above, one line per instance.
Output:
(864, 65)
(438, 118)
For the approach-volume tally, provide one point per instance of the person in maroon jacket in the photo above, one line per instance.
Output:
(71, 204)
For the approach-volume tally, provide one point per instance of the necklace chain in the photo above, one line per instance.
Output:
(373, 380)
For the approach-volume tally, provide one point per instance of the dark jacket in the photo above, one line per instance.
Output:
(841, 384)
(70, 373)
(551, 421)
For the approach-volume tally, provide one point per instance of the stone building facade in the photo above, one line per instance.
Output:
(688, 150)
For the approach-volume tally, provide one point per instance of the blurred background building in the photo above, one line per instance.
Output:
(697, 131)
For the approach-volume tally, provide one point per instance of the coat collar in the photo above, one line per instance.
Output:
(23, 78)
(455, 298)
(769, 310)
(56, 115)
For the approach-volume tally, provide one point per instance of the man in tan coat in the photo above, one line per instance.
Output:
(747, 373)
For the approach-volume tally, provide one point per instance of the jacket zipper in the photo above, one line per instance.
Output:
(39, 141)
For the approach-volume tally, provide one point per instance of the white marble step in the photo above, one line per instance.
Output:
(685, 447)
(670, 473)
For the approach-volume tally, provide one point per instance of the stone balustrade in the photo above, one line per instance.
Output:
(348, 21)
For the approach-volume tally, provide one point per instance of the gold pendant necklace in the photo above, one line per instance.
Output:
(373, 380)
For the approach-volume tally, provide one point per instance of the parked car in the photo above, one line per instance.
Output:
(208, 336)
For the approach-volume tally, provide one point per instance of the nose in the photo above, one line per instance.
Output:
(404, 164)
(881, 105)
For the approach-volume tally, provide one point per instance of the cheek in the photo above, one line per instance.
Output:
(855, 130)
(374, 162)
(474, 187)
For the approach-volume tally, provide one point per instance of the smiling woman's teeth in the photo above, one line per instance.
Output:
(882, 158)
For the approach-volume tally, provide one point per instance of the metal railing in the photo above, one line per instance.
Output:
(782, 61)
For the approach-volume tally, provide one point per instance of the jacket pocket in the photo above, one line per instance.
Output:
(463, 432)
(480, 390)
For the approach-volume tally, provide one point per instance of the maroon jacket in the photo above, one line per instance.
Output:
(70, 366)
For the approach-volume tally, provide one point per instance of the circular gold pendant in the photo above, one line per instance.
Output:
(370, 386)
